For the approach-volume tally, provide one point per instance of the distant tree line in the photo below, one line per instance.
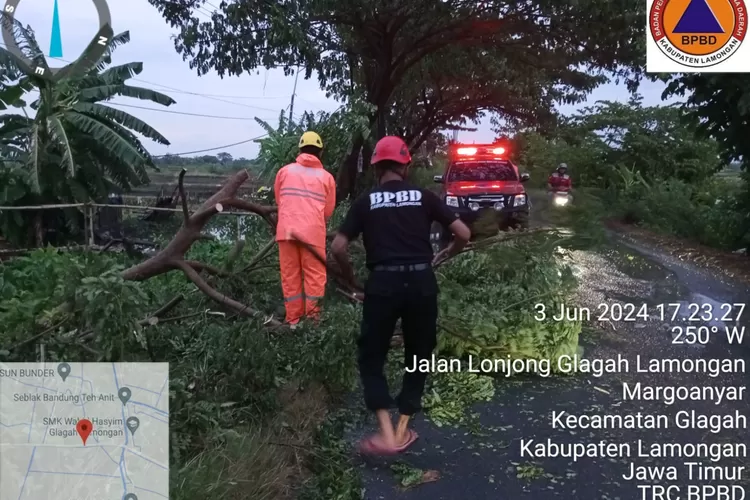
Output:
(223, 159)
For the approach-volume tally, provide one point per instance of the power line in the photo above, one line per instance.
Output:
(200, 10)
(207, 96)
(215, 97)
(212, 149)
(181, 112)
(221, 96)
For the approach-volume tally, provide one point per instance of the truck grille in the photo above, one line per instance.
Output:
(489, 200)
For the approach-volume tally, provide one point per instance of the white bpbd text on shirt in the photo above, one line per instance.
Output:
(387, 199)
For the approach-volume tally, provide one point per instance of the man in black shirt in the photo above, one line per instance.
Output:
(395, 219)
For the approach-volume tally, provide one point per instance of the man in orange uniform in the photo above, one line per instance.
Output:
(306, 196)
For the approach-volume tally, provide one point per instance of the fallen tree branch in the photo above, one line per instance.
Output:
(237, 307)
(212, 270)
(493, 240)
(172, 256)
(172, 319)
(152, 319)
(174, 302)
(351, 296)
(262, 254)
(129, 246)
(334, 271)
(90, 349)
(37, 336)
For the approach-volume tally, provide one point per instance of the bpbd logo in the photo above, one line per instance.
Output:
(94, 50)
(698, 33)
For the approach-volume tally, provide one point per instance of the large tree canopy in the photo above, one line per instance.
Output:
(719, 105)
(600, 140)
(436, 95)
(373, 44)
(369, 48)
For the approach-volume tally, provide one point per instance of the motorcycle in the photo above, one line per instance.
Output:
(561, 198)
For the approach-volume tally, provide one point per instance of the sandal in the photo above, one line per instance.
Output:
(373, 445)
(413, 436)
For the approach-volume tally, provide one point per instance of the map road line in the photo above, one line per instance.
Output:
(131, 450)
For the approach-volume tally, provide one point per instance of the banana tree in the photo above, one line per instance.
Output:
(75, 148)
(279, 146)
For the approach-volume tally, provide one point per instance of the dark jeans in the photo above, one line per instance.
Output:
(412, 297)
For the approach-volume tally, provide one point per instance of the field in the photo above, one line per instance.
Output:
(200, 181)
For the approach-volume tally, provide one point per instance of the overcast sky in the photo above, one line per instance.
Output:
(260, 95)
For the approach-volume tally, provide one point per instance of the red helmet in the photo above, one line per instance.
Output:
(391, 148)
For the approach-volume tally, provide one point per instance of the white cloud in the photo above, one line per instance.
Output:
(262, 95)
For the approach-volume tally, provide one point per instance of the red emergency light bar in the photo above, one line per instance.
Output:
(479, 150)
(474, 186)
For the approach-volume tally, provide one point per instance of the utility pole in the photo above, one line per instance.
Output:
(291, 104)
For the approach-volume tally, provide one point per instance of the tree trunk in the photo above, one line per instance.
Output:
(365, 180)
(381, 130)
(39, 229)
(347, 174)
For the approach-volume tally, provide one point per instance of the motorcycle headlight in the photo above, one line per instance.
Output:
(519, 200)
(561, 201)
(451, 201)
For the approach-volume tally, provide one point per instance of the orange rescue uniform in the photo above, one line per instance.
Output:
(306, 196)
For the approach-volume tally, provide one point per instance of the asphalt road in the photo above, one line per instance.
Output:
(491, 464)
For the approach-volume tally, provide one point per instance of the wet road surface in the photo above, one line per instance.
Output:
(494, 463)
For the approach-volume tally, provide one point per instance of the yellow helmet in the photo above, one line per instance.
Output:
(310, 138)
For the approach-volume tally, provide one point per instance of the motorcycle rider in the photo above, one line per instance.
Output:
(559, 181)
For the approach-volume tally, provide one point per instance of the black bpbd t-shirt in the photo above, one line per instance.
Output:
(395, 220)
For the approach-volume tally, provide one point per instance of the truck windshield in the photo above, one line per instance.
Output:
(497, 170)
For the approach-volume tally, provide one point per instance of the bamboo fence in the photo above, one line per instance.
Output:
(89, 212)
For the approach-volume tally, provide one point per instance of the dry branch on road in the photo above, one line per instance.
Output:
(172, 256)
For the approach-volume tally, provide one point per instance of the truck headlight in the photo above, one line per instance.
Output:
(474, 206)
(519, 200)
(451, 201)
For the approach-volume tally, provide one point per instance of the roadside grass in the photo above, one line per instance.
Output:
(264, 462)
(712, 213)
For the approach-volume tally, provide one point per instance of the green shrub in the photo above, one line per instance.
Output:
(488, 299)
(708, 213)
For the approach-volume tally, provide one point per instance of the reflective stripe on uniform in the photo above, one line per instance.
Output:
(300, 195)
(313, 297)
(299, 296)
(309, 171)
(303, 193)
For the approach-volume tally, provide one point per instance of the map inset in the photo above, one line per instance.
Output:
(84, 431)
